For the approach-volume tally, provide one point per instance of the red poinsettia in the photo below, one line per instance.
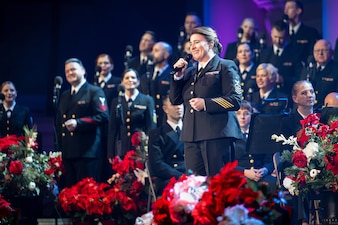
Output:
(122, 199)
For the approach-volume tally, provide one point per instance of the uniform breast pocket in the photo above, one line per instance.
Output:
(210, 80)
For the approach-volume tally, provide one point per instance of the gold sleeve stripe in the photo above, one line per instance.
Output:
(222, 102)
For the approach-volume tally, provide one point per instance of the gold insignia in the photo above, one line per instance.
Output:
(140, 106)
(81, 102)
(302, 41)
(212, 73)
(222, 102)
(327, 79)
(165, 82)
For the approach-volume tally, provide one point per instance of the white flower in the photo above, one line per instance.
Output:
(141, 175)
(237, 213)
(314, 173)
(29, 159)
(287, 183)
(310, 150)
(31, 186)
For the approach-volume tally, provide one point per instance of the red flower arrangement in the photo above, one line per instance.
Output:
(6, 212)
(211, 201)
(122, 199)
(314, 158)
(24, 171)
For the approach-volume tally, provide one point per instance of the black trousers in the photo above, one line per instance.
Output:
(206, 158)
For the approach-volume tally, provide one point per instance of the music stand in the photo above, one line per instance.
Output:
(274, 105)
(262, 127)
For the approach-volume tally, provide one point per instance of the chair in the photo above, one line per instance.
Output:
(151, 194)
(276, 161)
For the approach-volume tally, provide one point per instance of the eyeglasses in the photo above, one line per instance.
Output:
(317, 51)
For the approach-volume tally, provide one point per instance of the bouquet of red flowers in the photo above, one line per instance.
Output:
(225, 197)
(314, 157)
(24, 171)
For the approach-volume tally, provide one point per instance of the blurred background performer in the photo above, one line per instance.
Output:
(211, 92)
(13, 116)
(109, 84)
(156, 81)
(130, 112)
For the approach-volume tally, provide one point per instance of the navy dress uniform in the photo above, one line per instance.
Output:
(81, 148)
(166, 156)
(324, 81)
(136, 115)
(13, 121)
(215, 128)
(157, 87)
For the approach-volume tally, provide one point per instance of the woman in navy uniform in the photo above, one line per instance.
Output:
(13, 117)
(130, 112)
(211, 93)
(82, 109)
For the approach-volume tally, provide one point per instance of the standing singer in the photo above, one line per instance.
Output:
(211, 92)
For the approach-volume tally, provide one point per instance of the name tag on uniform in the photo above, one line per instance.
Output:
(302, 41)
(140, 106)
(210, 73)
(81, 102)
(165, 82)
(111, 85)
(287, 64)
(330, 79)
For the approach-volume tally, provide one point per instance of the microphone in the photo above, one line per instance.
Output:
(98, 70)
(285, 18)
(119, 109)
(239, 34)
(56, 92)
(58, 81)
(2, 98)
(187, 58)
(311, 62)
(129, 52)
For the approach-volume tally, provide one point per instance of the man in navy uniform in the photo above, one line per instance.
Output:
(82, 109)
(166, 152)
(156, 81)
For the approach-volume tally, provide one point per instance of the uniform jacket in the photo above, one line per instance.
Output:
(304, 40)
(249, 85)
(135, 63)
(140, 116)
(323, 82)
(110, 89)
(288, 64)
(88, 106)
(14, 125)
(157, 89)
(219, 84)
(166, 155)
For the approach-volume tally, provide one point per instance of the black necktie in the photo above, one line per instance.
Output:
(73, 92)
(178, 130)
(102, 83)
(319, 68)
(243, 74)
(130, 102)
(277, 52)
(155, 75)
